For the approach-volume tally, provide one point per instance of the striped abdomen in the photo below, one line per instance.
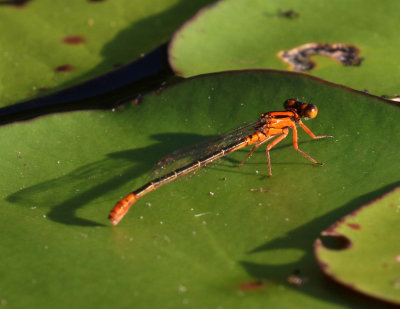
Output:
(122, 207)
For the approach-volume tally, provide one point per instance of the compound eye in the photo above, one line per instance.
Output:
(290, 104)
(311, 111)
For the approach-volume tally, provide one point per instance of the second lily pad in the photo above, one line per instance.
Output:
(372, 249)
(236, 34)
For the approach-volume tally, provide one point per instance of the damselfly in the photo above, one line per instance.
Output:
(270, 125)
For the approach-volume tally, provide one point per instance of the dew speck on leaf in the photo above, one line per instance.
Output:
(202, 214)
(396, 283)
(296, 280)
(182, 289)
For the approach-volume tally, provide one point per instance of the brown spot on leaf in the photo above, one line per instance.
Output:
(290, 14)
(251, 286)
(298, 58)
(74, 40)
(354, 226)
(137, 100)
(63, 68)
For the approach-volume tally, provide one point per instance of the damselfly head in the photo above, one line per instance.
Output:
(308, 111)
(304, 110)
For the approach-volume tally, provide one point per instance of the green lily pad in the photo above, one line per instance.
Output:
(372, 250)
(224, 237)
(54, 44)
(235, 34)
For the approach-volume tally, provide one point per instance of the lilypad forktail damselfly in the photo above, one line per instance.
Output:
(269, 125)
